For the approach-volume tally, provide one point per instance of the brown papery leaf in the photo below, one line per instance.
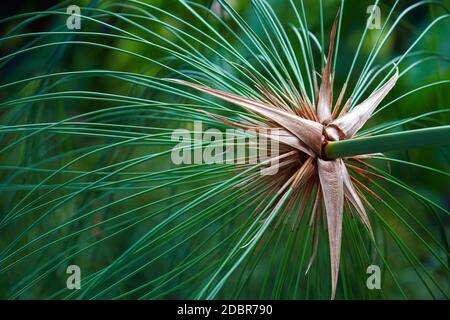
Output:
(330, 175)
(325, 93)
(278, 134)
(307, 131)
(351, 194)
(353, 120)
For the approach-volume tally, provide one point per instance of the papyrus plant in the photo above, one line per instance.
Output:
(96, 188)
(307, 131)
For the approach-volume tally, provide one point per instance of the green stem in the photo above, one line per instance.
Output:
(429, 137)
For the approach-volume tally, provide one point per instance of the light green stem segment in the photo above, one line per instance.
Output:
(429, 137)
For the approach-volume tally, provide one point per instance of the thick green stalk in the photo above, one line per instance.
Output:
(429, 137)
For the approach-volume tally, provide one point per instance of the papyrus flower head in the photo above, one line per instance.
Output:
(304, 129)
